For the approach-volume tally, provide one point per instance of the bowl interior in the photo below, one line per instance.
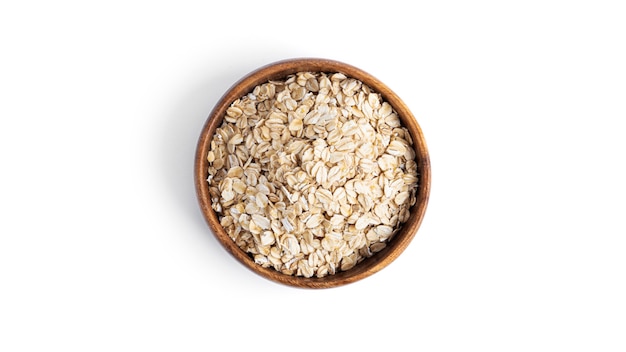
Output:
(279, 70)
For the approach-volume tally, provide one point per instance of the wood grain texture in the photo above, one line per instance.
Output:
(279, 70)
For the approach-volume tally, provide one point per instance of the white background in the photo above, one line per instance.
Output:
(103, 246)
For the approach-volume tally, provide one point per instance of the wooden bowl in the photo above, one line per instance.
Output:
(279, 70)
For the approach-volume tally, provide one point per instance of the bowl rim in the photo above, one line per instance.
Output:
(280, 69)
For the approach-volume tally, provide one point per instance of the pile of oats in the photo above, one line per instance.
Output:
(312, 174)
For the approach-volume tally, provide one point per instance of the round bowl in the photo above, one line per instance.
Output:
(279, 70)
